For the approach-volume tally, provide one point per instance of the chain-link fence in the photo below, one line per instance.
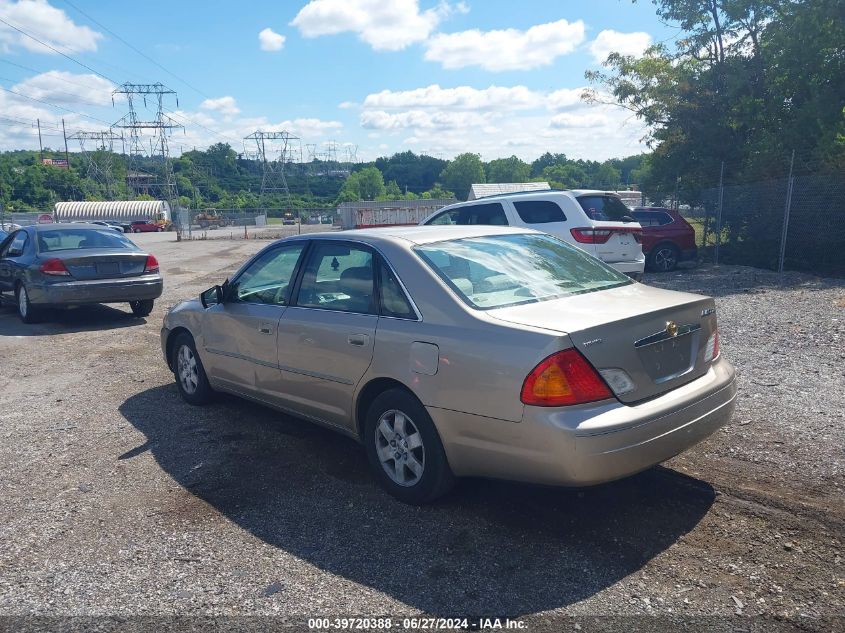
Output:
(198, 222)
(791, 223)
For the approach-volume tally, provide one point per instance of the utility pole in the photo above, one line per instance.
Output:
(64, 134)
(40, 146)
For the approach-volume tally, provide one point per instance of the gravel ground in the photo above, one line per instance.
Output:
(119, 499)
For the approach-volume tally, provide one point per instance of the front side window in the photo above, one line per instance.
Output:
(602, 208)
(73, 239)
(499, 271)
(447, 217)
(268, 278)
(539, 211)
(339, 277)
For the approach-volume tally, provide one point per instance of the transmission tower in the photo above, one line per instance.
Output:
(97, 150)
(274, 151)
(158, 130)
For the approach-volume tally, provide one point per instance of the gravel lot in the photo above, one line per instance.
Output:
(120, 499)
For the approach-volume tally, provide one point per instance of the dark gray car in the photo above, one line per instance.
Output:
(51, 265)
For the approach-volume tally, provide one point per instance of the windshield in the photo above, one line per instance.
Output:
(604, 208)
(499, 271)
(72, 239)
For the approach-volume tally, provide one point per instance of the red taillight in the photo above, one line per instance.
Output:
(54, 266)
(563, 379)
(591, 236)
(716, 345)
(152, 264)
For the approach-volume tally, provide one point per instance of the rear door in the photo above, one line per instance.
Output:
(326, 338)
(613, 232)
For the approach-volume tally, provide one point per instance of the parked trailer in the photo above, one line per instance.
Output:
(118, 210)
(374, 213)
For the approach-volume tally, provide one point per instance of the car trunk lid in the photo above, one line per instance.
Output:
(657, 337)
(101, 263)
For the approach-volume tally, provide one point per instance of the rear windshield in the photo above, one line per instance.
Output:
(604, 208)
(506, 270)
(72, 239)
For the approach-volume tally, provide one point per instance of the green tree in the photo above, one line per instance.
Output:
(510, 169)
(365, 184)
(462, 172)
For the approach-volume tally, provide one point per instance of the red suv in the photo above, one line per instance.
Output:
(145, 226)
(667, 237)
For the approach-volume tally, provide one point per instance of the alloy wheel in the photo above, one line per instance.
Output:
(399, 446)
(186, 365)
(664, 259)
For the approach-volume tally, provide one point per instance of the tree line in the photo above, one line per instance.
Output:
(219, 177)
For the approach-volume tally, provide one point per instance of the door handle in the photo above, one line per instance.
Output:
(358, 340)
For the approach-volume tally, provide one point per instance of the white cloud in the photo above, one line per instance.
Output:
(48, 24)
(461, 97)
(491, 120)
(224, 105)
(388, 25)
(421, 119)
(508, 49)
(270, 41)
(585, 120)
(610, 41)
(61, 87)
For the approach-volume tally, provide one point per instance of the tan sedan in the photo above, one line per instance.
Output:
(461, 351)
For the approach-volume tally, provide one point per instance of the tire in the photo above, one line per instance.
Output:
(404, 449)
(663, 258)
(27, 312)
(189, 373)
(159, 229)
(136, 230)
(142, 307)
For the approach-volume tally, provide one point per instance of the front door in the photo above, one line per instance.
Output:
(326, 337)
(240, 335)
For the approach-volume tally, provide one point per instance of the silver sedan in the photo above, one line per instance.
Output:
(461, 351)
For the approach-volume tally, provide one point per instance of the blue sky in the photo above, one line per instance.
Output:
(492, 76)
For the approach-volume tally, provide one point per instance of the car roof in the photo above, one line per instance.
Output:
(417, 234)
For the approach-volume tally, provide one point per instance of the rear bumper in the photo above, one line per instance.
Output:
(591, 444)
(96, 291)
(632, 268)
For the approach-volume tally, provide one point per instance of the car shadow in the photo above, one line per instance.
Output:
(487, 548)
(86, 318)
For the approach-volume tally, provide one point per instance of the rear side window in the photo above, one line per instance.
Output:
(18, 244)
(652, 218)
(602, 208)
(487, 214)
(539, 211)
(394, 303)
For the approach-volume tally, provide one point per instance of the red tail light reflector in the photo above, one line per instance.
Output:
(563, 379)
(151, 265)
(54, 266)
(591, 236)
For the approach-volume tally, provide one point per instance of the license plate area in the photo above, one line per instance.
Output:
(669, 357)
(108, 268)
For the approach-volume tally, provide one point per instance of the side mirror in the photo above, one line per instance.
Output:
(212, 296)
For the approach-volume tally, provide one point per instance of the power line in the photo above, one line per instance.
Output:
(141, 53)
(55, 50)
(53, 105)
